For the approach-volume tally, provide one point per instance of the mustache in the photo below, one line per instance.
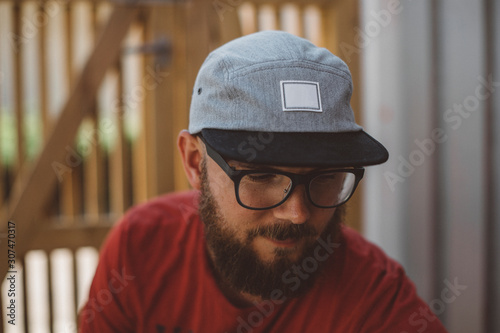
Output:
(283, 231)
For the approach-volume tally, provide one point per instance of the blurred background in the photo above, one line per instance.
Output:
(94, 93)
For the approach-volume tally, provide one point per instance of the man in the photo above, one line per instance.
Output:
(272, 154)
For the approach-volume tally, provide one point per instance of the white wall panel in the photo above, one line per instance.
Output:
(461, 65)
(425, 99)
(494, 177)
(382, 102)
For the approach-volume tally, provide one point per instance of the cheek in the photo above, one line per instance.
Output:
(238, 219)
(321, 217)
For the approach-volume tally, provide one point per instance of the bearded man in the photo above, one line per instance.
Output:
(272, 154)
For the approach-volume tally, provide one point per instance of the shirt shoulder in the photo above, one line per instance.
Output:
(148, 245)
(381, 293)
(161, 227)
(169, 208)
(364, 255)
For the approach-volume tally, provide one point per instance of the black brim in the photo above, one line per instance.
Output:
(347, 149)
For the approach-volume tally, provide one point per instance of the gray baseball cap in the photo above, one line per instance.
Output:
(274, 98)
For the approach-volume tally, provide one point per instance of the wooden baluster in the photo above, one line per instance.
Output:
(70, 187)
(93, 167)
(25, 295)
(140, 157)
(277, 21)
(183, 88)
(2, 169)
(50, 292)
(42, 78)
(75, 280)
(313, 25)
(18, 85)
(119, 158)
(248, 18)
(301, 29)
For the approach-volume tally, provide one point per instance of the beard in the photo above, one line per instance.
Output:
(238, 266)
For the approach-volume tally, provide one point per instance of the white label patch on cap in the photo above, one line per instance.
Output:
(300, 96)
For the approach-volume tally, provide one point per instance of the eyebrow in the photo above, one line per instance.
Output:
(237, 164)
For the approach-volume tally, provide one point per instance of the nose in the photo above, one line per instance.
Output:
(296, 208)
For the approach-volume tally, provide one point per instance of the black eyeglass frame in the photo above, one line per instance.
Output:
(297, 179)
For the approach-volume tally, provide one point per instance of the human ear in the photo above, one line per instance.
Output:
(192, 157)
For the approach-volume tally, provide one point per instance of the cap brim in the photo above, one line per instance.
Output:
(347, 149)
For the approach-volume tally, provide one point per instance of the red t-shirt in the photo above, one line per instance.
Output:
(153, 277)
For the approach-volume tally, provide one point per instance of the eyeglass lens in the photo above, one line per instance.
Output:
(261, 190)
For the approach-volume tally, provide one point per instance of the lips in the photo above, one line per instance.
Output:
(289, 242)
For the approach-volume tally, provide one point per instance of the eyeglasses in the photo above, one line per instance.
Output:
(266, 189)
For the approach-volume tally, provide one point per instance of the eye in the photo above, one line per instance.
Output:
(261, 177)
(329, 178)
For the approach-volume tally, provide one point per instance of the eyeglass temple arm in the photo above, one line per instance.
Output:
(219, 159)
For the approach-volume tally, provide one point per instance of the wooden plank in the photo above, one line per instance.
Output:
(2, 173)
(330, 33)
(42, 75)
(249, 20)
(119, 159)
(157, 119)
(2, 329)
(50, 292)
(70, 198)
(182, 91)
(2, 169)
(25, 295)
(159, 87)
(298, 2)
(230, 27)
(93, 166)
(1, 312)
(197, 43)
(29, 199)
(18, 86)
(276, 9)
(74, 269)
(300, 21)
(314, 22)
(83, 232)
(293, 19)
(139, 150)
